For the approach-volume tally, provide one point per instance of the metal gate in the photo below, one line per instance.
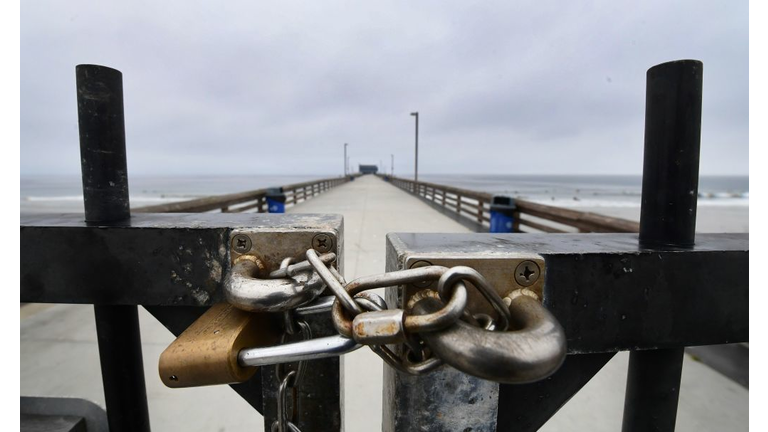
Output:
(651, 294)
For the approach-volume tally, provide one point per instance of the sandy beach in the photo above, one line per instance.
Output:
(709, 218)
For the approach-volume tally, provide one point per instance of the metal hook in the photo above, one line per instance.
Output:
(532, 352)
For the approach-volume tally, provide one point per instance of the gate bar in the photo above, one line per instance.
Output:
(667, 220)
(105, 194)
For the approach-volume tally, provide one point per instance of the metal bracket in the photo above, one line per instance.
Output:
(505, 272)
(271, 247)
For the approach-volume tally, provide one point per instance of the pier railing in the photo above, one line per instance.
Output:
(528, 216)
(250, 200)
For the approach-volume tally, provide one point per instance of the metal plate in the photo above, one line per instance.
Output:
(501, 271)
(271, 247)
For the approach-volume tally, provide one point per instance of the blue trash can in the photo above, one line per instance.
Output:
(275, 200)
(502, 211)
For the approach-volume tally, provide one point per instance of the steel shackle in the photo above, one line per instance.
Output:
(312, 349)
(297, 285)
(533, 349)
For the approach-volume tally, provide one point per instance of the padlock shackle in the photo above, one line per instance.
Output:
(534, 348)
(312, 349)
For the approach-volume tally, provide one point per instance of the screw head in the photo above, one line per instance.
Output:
(419, 264)
(527, 273)
(241, 243)
(322, 243)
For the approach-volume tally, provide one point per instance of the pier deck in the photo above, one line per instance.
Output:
(60, 353)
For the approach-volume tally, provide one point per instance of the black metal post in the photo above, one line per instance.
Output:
(667, 220)
(105, 193)
(671, 161)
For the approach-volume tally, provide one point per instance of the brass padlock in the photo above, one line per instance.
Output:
(206, 352)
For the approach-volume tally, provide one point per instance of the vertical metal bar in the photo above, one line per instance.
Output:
(443, 400)
(105, 192)
(653, 388)
(102, 143)
(671, 159)
(667, 219)
(122, 370)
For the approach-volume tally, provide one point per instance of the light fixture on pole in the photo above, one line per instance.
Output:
(346, 169)
(392, 166)
(416, 173)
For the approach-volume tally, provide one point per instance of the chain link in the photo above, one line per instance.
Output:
(355, 304)
(355, 307)
(290, 380)
(353, 301)
(283, 423)
(433, 328)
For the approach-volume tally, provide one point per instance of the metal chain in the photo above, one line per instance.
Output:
(282, 423)
(354, 303)
(292, 379)
(434, 326)
(353, 300)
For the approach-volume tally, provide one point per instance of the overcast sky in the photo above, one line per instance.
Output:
(502, 87)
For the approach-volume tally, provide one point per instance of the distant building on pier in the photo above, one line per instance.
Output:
(368, 169)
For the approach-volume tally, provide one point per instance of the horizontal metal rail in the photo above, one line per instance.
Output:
(534, 217)
(244, 201)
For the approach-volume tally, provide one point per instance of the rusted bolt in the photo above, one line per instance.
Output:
(241, 243)
(322, 243)
(527, 273)
(419, 264)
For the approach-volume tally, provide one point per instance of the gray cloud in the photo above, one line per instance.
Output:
(509, 87)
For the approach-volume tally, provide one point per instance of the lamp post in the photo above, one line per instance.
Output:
(416, 174)
(392, 166)
(346, 170)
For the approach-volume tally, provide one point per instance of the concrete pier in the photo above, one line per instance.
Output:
(59, 354)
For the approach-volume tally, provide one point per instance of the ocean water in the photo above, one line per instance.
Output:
(42, 194)
(576, 191)
(64, 193)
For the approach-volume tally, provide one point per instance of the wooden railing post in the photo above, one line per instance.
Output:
(515, 221)
(479, 212)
